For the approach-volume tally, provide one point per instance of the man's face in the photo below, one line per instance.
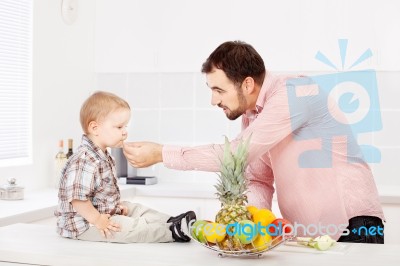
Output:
(226, 95)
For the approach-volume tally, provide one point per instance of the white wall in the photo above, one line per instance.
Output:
(63, 58)
(177, 35)
(152, 52)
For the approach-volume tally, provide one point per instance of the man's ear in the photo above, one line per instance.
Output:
(248, 85)
(93, 127)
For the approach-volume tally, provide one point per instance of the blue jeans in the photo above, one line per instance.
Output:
(364, 229)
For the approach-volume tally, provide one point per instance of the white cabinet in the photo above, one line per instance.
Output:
(392, 229)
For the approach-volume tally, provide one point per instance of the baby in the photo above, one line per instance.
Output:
(89, 206)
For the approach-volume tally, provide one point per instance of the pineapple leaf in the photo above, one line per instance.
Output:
(232, 183)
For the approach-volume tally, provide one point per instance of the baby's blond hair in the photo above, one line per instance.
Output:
(98, 106)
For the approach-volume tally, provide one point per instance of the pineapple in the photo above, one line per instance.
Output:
(231, 190)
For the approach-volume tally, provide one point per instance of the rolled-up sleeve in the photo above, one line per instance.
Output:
(203, 158)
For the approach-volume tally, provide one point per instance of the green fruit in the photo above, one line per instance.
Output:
(197, 230)
(322, 245)
(324, 242)
(245, 232)
(304, 241)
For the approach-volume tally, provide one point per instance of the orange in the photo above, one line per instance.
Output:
(252, 210)
(264, 217)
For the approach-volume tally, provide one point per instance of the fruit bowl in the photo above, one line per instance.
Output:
(248, 250)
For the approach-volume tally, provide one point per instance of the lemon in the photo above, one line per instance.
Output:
(214, 232)
(262, 242)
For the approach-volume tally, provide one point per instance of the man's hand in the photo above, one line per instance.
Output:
(143, 154)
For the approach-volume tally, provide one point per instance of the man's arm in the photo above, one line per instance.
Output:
(271, 126)
(143, 154)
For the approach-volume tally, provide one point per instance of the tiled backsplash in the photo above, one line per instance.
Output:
(175, 108)
(171, 109)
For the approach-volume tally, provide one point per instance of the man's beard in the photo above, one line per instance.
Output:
(234, 114)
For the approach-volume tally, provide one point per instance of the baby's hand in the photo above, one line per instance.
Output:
(105, 226)
(124, 209)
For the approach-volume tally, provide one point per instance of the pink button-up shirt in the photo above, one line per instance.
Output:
(320, 196)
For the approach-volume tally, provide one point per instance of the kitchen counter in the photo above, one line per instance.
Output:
(38, 205)
(39, 244)
(41, 204)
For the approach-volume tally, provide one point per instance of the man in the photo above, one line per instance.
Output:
(320, 176)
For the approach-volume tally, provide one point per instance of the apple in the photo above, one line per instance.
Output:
(197, 230)
(279, 224)
(246, 232)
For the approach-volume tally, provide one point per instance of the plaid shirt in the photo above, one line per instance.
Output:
(88, 175)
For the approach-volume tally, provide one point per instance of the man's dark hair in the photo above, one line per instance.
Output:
(238, 60)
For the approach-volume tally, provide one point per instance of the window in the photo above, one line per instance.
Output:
(15, 82)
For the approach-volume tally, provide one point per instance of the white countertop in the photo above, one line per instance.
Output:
(41, 204)
(389, 194)
(38, 205)
(39, 244)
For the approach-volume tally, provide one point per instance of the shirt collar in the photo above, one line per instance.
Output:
(96, 149)
(262, 96)
(265, 90)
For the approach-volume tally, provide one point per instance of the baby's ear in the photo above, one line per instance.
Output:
(92, 128)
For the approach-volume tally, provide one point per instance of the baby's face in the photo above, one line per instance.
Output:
(113, 128)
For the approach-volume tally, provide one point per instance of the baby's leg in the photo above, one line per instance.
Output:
(136, 210)
(133, 230)
(180, 232)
